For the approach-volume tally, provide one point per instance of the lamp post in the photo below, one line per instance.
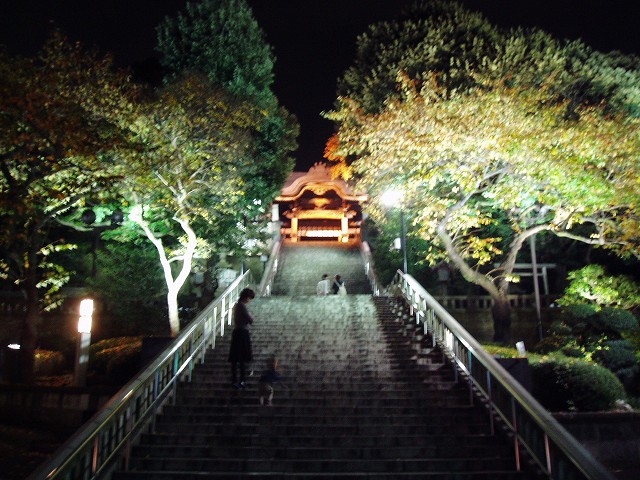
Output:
(84, 340)
(393, 198)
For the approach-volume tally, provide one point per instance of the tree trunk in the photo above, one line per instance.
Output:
(174, 314)
(501, 312)
(29, 332)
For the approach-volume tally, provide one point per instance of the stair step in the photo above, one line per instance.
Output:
(364, 395)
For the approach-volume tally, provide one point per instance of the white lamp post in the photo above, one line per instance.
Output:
(393, 198)
(84, 340)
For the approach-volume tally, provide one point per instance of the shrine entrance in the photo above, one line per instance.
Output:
(313, 206)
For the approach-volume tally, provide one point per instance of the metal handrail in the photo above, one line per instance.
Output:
(550, 445)
(92, 452)
(270, 270)
(369, 269)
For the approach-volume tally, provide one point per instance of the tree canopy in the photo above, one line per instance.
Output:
(441, 38)
(221, 39)
(190, 177)
(62, 115)
(491, 161)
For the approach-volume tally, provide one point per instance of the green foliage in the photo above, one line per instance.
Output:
(186, 187)
(551, 343)
(243, 134)
(130, 282)
(598, 335)
(593, 286)
(48, 362)
(492, 151)
(116, 358)
(561, 385)
(221, 39)
(436, 36)
(445, 39)
(589, 320)
(619, 357)
(62, 113)
(616, 320)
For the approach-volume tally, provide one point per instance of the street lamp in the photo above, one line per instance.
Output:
(393, 198)
(84, 340)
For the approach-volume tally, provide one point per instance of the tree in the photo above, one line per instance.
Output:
(61, 115)
(442, 38)
(430, 38)
(222, 40)
(188, 181)
(483, 171)
(495, 136)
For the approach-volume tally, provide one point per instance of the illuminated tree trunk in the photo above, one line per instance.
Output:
(501, 310)
(173, 284)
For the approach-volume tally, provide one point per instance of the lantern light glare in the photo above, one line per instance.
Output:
(86, 307)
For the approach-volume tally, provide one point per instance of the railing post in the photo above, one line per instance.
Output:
(174, 386)
(470, 378)
(215, 327)
(94, 459)
(516, 441)
(191, 359)
(490, 393)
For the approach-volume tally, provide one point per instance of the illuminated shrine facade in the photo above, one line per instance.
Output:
(313, 206)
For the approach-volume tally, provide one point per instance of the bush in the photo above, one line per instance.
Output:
(116, 358)
(616, 320)
(551, 344)
(592, 284)
(48, 362)
(619, 357)
(561, 385)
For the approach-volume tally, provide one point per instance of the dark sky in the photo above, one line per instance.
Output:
(314, 40)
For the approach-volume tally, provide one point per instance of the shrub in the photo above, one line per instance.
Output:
(561, 385)
(48, 362)
(616, 320)
(551, 344)
(117, 358)
(580, 310)
(591, 284)
(619, 357)
(559, 328)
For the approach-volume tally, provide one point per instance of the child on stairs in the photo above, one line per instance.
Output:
(267, 379)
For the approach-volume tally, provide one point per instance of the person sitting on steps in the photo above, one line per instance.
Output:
(338, 287)
(322, 289)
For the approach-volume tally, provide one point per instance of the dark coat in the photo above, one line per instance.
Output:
(240, 349)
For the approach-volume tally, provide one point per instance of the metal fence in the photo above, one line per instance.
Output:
(104, 442)
(555, 451)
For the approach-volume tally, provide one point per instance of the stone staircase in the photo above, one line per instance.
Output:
(302, 266)
(362, 396)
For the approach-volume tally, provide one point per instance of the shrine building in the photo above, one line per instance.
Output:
(314, 206)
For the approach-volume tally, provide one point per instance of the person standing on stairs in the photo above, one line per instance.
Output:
(240, 351)
(322, 289)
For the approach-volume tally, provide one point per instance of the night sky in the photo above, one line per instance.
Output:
(313, 40)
